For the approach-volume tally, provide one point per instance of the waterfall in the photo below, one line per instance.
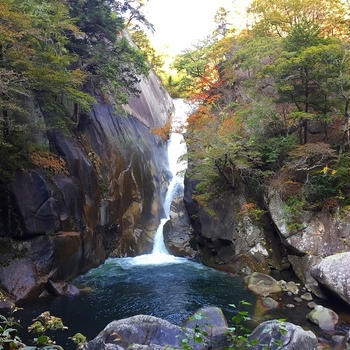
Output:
(176, 150)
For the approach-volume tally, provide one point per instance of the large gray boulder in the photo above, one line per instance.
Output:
(142, 330)
(310, 236)
(20, 279)
(333, 272)
(290, 336)
(178, 232)
(325, 318)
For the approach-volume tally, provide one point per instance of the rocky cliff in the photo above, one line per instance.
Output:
(105, 202)
(232, 232)
(247, 229)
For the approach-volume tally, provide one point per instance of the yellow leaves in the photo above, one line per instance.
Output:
(327, 170)
(324, 170)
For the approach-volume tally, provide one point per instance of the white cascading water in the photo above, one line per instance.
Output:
(177, 166)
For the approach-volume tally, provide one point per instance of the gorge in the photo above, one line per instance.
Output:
(201, 204)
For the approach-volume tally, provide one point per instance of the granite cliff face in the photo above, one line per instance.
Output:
(232, 239)
(228, 237)
(107, 203)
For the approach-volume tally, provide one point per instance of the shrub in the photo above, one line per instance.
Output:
(49, 162)
(252, 211)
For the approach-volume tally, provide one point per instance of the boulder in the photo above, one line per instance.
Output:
(178, 233)
(143, 330)
(292, 337)
(333, 272)
(317, 234)
(20, 279)
(311, 305)
(226, 240)
(67, 254)
(269, 303)
(302, 267)
(211, 320)
(306, 297)
(292, 287)
(262, 284)
(62, 288)
(325, 318)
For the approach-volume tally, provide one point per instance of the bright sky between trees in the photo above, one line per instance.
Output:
(181, 23)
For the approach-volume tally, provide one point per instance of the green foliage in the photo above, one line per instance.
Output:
(45, 321)
(275, 150)
(330, 183)
(293, 207)
(78, 339)
(51, 54)
(8, 333)
(287, 73)
(105, 54)
(142, 42)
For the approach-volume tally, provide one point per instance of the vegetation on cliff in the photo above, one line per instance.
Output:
(55, 56)
(273, 103)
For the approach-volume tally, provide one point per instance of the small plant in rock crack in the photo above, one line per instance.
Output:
(238, 334)
(199, 334)
(276, 342)
(8, 332)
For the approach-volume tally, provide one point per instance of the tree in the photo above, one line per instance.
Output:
(141, 40)
(278, 17)
(105, 55)
(221, 21)
(304, 73)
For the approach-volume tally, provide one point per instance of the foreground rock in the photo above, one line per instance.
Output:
(178, 233)
(292, 338)
(142, 330)
(333, 272)
(262, 284)
(325, 318)
(211, 320)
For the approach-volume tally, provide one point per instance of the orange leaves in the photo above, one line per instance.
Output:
(164, 131)
(206, 84)
(251, 210)
(229, 126)
(201, 117)
(246, 208)
(50, 162)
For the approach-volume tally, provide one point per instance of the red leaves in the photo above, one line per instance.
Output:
(207, 84)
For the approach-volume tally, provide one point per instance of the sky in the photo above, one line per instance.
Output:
(181, 23)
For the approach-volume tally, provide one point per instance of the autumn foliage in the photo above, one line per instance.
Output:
(53, 164)
(164, 131)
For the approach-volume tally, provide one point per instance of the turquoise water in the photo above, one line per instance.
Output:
(124, 287)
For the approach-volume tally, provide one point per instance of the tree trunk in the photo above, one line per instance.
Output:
(6, 125)
(346, 136)
(305, 130)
